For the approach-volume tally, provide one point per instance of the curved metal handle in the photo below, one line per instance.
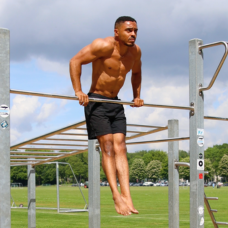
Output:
(182, 164)
(220, 64)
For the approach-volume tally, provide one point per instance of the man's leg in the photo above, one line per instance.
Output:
(123, 169)
(109, 167)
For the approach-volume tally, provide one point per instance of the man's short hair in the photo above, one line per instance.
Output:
(122, 19)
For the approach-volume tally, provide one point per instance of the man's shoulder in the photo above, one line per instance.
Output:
(103, 44)
(110, 40)
(136, 51)
(107, 40)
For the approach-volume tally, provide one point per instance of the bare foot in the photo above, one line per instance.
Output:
(129, 203)
(121, 207)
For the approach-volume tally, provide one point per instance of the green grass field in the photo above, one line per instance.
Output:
(152, 203)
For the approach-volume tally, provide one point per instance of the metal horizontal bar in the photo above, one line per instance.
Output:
(182, 164)
(74, 140)
(135, 131)
(146, 133)
(81, 134)
(206, 172)
(220, 64)
(21, 163)
(128, 125)
(160, 140)
(201, 47)
(215, 118)
(25, 160)
(212, 198)
(73, 134)
(61, 156)
(213, 210)
(98, 100)
(31, 156)
(222, 223)
(37, 152)
(48, 135)
(63, 149)
(140, 125)
(57, 144)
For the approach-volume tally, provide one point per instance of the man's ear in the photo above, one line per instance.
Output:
(116, 32)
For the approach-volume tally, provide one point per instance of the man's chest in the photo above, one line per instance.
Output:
(119, 64)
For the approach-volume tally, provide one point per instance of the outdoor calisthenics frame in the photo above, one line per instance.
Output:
(196, 126)
(59, 210)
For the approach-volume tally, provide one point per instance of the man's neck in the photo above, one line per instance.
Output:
(121, 48)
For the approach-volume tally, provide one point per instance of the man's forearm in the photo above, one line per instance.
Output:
(75, 74)
(136, 84)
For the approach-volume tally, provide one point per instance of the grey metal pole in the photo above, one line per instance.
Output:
(196, 133)
(5, 213)
(94, 185)
(57, 184)
(173, 156)
(31, 197)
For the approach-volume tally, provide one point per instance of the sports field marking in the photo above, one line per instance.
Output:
(137, 217)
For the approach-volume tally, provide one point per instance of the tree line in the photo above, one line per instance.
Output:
(152, 164)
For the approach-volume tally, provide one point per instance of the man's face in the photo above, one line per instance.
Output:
(127, 33)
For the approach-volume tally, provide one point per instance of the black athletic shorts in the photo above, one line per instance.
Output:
(104, 118)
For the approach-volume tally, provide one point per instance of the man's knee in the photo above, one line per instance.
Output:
(120, 147)
(107, 146)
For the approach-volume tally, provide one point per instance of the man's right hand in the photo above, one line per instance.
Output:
(83, 98)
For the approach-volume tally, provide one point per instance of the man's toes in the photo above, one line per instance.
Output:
(135, 212)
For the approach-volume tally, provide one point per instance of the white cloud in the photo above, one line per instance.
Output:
(27, 113)
(14, 135)
(53, 66)
(22, 112)
(47, 110)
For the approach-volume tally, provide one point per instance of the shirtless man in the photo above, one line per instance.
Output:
(112, 58)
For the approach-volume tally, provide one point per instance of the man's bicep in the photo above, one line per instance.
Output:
(137, 66)
(138, 63)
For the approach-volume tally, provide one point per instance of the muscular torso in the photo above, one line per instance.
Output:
(109, 72)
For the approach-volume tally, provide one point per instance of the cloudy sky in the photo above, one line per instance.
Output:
(45, 35)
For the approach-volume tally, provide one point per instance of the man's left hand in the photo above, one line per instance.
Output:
(138, 102)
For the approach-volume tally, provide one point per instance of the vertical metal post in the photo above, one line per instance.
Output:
(5, 213)
(57, 184)
(94, 185)
(31, 197)
(196, 129)
(173, 156)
